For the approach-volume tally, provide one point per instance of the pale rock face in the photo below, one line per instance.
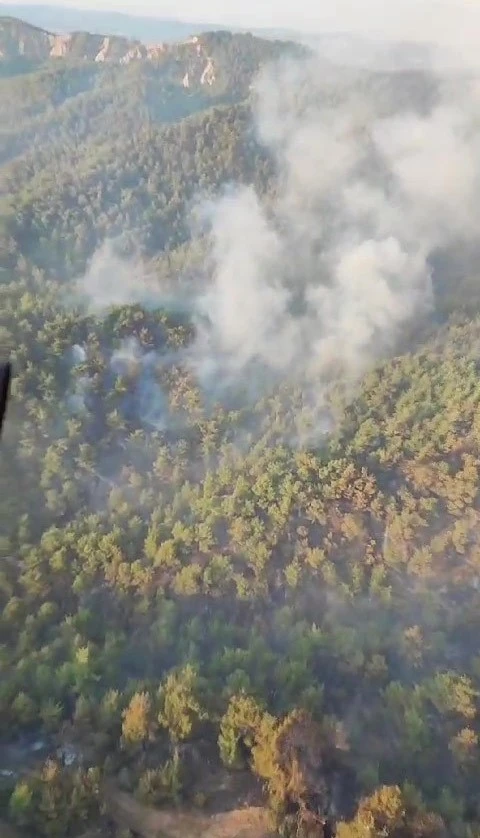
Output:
(134, 54)
(102, 55)
(208, 75)
(155, 51)
(59, 45)
(196, 66)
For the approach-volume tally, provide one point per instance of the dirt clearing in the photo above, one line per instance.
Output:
(250, 822)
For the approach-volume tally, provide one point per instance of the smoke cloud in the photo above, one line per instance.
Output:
(114, 279)
(319, 282)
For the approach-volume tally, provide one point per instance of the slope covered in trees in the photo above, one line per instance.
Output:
(194, 607)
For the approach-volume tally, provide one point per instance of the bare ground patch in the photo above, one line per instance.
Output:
(147, 822)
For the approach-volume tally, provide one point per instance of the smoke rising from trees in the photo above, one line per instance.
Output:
(320, 280)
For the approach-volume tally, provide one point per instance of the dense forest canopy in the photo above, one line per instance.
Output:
(239, 477)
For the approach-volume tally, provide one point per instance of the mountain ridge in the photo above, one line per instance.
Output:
(20, 39)
(141, 27)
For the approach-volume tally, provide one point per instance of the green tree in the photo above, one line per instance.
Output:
(180, 707)
(239, 727)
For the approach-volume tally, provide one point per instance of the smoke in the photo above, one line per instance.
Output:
(319, 283)
(440, 34)
(112, 279)
(327, 277)
(145, 398)
(116, 278)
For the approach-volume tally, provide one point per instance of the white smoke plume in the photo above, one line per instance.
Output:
(113, 279)
(328, 274)
(320, 280)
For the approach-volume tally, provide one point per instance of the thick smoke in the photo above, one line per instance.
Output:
(113, 279)
(325, 278)
(319, 282)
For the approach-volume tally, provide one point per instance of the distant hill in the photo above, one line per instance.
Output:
(100, 86)
(340, 47)
(146, 29)
(142, 28)
(22, 40)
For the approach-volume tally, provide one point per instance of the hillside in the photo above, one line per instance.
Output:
(19, 39)
(22, 40)
(239, 477)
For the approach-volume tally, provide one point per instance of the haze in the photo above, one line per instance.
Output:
(438, 21)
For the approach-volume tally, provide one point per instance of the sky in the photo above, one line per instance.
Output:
(442, 21)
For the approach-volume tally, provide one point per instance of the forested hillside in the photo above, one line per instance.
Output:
(240, 472)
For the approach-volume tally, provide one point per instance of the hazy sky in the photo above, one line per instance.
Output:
(443, 21)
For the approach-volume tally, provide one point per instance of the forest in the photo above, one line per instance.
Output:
(205, 606)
